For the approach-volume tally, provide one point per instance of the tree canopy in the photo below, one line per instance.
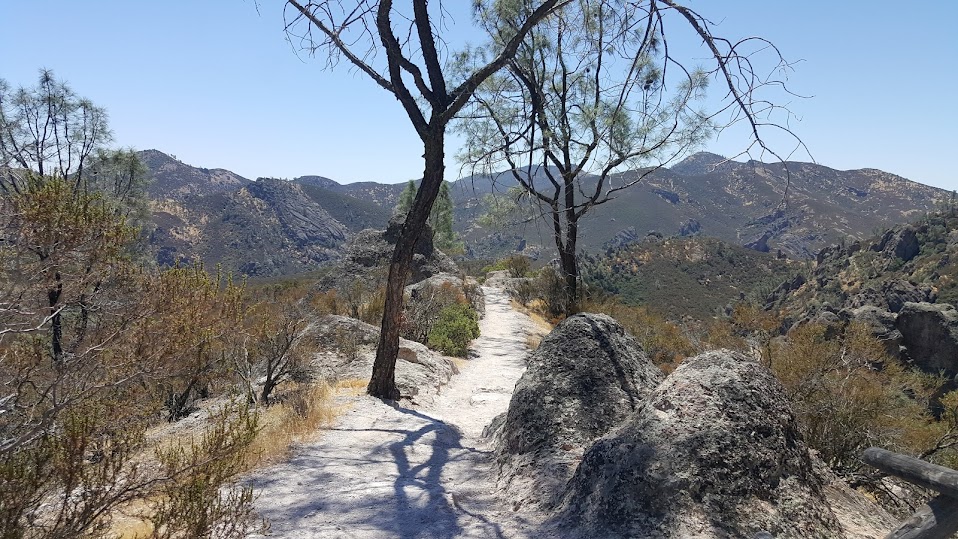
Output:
(594, 101)
(49, 130)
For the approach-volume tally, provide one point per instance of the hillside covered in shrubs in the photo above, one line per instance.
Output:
(862, 340)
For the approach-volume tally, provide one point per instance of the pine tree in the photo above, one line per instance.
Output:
(406, 199)
(440, 220)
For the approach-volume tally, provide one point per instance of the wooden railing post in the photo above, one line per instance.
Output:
(937, 519)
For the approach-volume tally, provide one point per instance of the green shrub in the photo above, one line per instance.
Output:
(517, 265)
(422, 311)
(201, 497)
(498, 265)
(457, 325)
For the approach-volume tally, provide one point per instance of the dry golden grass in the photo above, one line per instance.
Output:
(352, 386)
(542, 326)
(301, 414)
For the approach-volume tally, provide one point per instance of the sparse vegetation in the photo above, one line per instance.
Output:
(679, 277)
(104, 356)
(199, 497)
(456, 326)
(516, 264)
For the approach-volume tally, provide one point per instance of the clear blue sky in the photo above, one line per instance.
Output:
(215, 83)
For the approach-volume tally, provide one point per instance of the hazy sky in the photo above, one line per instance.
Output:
(215, 83)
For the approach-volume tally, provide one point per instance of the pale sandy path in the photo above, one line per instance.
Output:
(395, 472)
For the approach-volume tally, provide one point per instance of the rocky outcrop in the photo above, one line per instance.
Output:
(760, 243)
(469, 288)
(714, 451)
(899, 243)
(350, 347)
(622, 238)
(893, 294)
(930, 334)
(504, 280)
(690, 228)
(782, 291)
(304, 221)
(587, 376)
(366, 257)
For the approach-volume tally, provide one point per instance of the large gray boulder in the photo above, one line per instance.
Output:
(899, 243)
(348, 349)
(713, 452)
(587, 376)
(930, 334)
(892, 295)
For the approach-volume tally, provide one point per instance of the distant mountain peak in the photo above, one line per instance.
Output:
(317, 181)
(702, 163)
(175, 179)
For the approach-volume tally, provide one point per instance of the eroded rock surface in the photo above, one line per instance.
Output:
(587, 376)
(366, 258)
(714, 451)
(354, 343)
(930, 332)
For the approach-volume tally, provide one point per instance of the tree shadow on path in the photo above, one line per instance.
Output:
(420, 495)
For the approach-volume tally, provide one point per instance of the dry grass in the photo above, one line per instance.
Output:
(541, 327)
(302, 412)
(353, 386)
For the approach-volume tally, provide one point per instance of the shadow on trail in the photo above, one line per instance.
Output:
(420, 495)
(401, 495)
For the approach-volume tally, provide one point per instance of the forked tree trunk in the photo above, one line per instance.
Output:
(382, 384)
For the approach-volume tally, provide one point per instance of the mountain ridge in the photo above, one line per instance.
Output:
(741, 203)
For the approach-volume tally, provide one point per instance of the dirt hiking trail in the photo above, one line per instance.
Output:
(401, 471)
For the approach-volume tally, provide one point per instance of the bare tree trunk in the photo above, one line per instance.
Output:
(382, 384)
(56, 322)
(570, 270)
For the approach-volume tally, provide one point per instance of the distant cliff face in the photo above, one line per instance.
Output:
(261, 228)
